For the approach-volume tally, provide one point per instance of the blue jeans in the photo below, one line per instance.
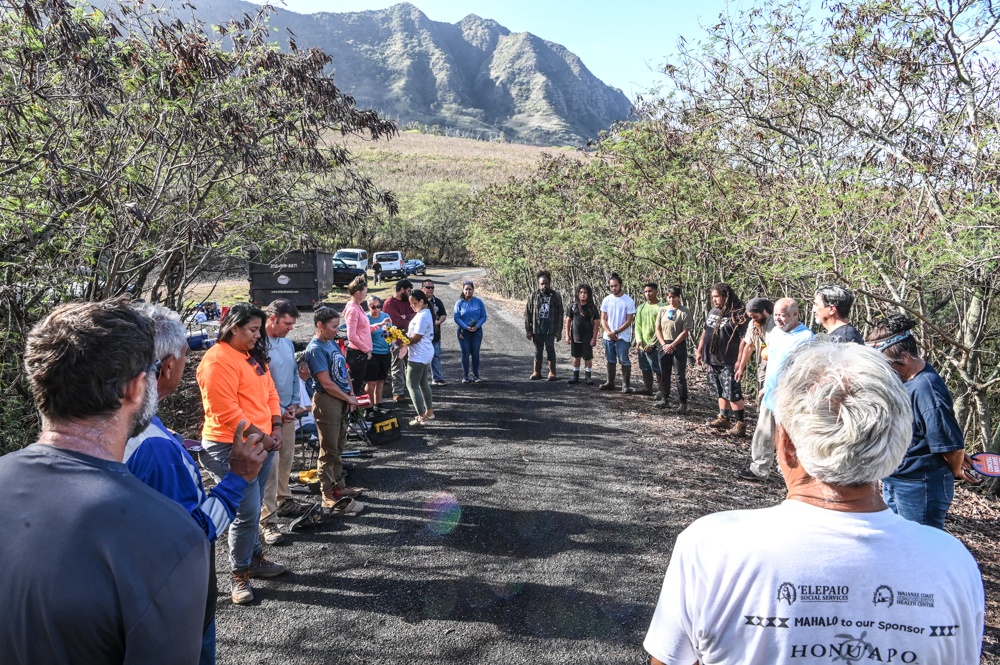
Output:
(619, 349)
(650, 361)
(208, 643)
(436, 362)
(470, 342)
(925, 499)
(244, 532)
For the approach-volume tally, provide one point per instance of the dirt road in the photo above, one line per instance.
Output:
(531, 524)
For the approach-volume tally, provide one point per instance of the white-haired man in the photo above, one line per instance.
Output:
(830, 574)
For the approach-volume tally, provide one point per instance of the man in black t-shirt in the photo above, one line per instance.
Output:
(440, 314)
(719, 350)
(98, 567)
(831, 307)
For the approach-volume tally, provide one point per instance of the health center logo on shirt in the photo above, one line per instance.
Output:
(883, 596)
(787, 592)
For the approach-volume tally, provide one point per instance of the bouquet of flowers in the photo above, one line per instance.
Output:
(394, 335)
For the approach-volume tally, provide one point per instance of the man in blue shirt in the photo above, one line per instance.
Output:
(157, 457)
(332, 402)
(281, 317)
(789, 334)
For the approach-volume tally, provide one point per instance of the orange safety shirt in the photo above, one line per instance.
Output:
(231, 391)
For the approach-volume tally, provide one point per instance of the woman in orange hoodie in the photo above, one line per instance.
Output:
(235, 385)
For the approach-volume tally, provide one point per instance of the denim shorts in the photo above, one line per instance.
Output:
(617, 352)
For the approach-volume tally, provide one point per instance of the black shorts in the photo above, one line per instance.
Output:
(378, 367)
(722, 384)
(582, 350)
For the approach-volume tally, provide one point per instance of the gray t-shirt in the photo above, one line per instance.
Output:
(98, 567)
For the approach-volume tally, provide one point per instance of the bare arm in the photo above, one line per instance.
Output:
(959, 461)
(746, 350)
(701, 346)
(333, 390)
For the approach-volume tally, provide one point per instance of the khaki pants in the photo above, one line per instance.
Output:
(276, 490)
(331, 423)
(398, 372)
(762, 447)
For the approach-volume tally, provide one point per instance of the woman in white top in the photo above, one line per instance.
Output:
(420, 354)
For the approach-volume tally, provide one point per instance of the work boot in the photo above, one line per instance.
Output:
(626, 376)
(720, 423)
(537, 373)
(576, 377)
(739, 429)
(610, 383)
(590, 379)
(552, 371)
(647, 382)
(682, 408)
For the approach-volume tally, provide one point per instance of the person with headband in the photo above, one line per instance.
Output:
(923, 486)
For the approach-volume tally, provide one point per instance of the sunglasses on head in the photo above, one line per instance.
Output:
(256, 366)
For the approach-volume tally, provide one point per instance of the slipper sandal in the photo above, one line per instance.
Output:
(346, 507)
(313, 516)
(418, 422)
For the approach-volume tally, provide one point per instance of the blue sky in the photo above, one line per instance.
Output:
(622, 43)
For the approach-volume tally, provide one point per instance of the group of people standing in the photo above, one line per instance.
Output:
(661, 331)
(736, 335)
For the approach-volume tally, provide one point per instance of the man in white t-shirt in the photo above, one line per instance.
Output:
(831, 574)
(617, 314)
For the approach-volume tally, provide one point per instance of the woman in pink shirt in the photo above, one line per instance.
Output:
(359, 334)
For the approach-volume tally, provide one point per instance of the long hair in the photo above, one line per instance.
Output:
(238, 316)
(733, 310)
(590, 309)
(891, 335)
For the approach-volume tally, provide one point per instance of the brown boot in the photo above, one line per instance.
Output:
(537, 373)
(552, 371)
(720, 423)
(739, 429)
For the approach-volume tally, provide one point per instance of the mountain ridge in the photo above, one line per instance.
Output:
(475, 76)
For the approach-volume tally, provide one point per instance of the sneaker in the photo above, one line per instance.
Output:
(239, 588)
(747, 474)
(466, 380)
(292, 508)
(345, 507)
(261, 566)
(739, 429)
(439, 382)
(720, 423)
(662, 403)
(271, 534)
(476, 379)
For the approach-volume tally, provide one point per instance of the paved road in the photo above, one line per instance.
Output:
(526, 526)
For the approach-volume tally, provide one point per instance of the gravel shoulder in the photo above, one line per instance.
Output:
(531, 524)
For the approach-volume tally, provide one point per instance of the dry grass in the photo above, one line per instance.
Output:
(411, 160)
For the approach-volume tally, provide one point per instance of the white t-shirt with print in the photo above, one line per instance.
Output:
(797, 584)
(618, 308)
(304, 402)
(423, 324)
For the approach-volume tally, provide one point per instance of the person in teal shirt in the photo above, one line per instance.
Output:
(381, 360)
